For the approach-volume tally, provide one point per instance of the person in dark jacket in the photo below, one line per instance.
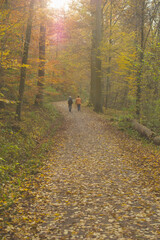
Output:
(70, 102)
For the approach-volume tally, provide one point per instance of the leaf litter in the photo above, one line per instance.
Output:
(97, 184)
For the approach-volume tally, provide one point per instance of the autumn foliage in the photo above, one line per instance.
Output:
(108, 52)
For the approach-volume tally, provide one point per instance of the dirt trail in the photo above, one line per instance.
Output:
(89, 191)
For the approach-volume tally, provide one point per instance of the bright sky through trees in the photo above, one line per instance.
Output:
(58, 4)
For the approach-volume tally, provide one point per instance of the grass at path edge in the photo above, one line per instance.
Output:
(24, 148)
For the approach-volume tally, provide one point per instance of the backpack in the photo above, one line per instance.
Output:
(70, 101)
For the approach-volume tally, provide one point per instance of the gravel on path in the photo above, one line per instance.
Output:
(89, 188)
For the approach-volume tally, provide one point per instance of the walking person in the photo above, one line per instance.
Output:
(78, 102)
(70, 102)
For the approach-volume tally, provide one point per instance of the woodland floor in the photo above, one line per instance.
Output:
(97, 184)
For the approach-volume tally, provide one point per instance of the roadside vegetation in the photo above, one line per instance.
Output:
(24, 146)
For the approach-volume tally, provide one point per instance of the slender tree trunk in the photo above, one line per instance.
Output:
(158, 28)
(108, 84)
(98, 99)
(4, 6)
(24, 60)
(41, 70)
(141, 57)
(93, 55)
(96, 91)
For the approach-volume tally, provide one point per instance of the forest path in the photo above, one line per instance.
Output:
(89, 188)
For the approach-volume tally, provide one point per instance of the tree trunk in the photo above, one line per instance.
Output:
(98, 97)
(24, 60)
(93, 55)
(4, 6)
(140, 58)
(108, 84)
(158, 27)
(144, 131)
(96, 91)
(41, 70)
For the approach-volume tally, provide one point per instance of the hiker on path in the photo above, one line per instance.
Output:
(70, 102)
(78, 102)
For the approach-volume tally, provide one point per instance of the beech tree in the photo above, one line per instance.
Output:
(108, 57)
(24, 59)
(41, 68)
(96, 74)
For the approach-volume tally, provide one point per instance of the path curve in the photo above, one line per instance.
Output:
(90, 190)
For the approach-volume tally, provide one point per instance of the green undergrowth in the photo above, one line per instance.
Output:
(24, 146)
(121, 119)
